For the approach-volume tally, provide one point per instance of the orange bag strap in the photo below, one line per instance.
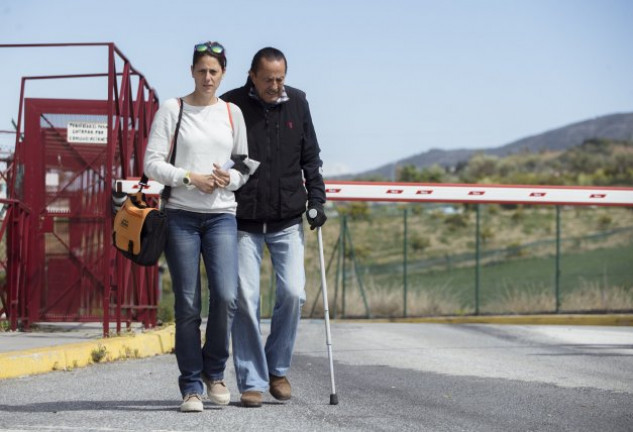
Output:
(228, 108)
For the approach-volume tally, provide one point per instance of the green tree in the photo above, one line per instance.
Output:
(433, 174)
(480, 167)
(408, 174)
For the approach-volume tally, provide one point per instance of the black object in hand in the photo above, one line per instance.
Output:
(315, 215)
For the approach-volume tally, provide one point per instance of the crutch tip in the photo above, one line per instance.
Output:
(333, 399)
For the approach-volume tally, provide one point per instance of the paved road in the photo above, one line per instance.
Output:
(422, 377)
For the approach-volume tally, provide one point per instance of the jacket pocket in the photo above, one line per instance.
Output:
(293, 197)
(246, 198)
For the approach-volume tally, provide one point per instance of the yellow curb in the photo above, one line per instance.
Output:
(70, 356)
(558, 319)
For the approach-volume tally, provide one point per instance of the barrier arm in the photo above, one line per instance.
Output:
(452, 193)
(478, 193)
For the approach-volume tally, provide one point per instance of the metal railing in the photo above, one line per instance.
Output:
(128, 292)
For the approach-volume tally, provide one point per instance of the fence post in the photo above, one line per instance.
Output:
(341, 256)
(359, 277)
(335, 253)
(477, 259)
(557, 274)
(404, 266)
(344, 270)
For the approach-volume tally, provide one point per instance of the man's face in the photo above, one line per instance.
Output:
(269, 79)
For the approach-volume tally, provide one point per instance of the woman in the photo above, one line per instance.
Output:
(201, 214)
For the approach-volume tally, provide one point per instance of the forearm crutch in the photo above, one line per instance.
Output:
(326, 312)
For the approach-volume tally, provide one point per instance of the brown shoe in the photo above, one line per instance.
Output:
(279, 387)
(251, 399)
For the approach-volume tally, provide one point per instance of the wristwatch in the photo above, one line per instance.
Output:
(186, 180)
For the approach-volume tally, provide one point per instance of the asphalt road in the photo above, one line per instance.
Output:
(404, 377)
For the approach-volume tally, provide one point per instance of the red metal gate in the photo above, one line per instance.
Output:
(60, 185)
(64, 186)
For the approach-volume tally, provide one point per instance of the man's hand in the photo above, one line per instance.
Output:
(315, 215)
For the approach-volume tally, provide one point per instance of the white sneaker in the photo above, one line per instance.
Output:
(192, 403)
(218, 392)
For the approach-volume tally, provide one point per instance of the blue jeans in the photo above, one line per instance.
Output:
(254, 361)
(214, 236)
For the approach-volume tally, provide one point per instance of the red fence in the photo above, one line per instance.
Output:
(60, 264)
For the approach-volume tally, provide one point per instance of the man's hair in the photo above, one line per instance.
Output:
(269, 54)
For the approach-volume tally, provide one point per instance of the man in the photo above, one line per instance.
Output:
(269, 212)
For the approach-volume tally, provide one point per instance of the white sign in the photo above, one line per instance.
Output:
(52, 179)
(87, 132)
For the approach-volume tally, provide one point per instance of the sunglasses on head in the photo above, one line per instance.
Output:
(213, 47)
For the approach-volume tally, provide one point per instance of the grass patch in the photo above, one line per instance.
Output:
(99, 354)
(593, 296)
(598, 279)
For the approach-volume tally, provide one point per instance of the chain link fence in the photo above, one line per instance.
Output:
(432, 260)
(411, 260)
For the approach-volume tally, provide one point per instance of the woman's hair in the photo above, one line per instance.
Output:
(207, 50)
(269, 54)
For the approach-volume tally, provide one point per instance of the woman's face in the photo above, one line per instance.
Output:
(207, 74)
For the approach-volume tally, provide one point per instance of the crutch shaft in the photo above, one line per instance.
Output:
(326, 312)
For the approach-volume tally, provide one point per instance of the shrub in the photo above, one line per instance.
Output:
(518, 215)
(165, 313)
(419, 243)
(604, 221)
(99, 353)
(515, 250)
(456, 221)
(358, 210)
(360, 252)
(486, 234)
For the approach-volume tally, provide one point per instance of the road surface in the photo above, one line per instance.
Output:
(400, 377)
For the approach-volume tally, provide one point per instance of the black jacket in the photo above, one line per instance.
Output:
(283, 140)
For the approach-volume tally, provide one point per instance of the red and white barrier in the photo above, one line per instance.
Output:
(461, 193)
(478, 193)
(131, 186)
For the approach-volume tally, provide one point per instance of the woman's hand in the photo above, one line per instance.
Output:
(221, 177)
(204, 182)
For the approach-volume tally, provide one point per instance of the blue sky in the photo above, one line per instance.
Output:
(385, 79)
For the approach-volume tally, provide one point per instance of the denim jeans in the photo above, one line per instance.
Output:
(214, 237)
(253, 361)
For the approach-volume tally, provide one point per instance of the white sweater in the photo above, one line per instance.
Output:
(205, 138)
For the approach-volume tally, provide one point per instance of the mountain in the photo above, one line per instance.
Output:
(614, 126)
